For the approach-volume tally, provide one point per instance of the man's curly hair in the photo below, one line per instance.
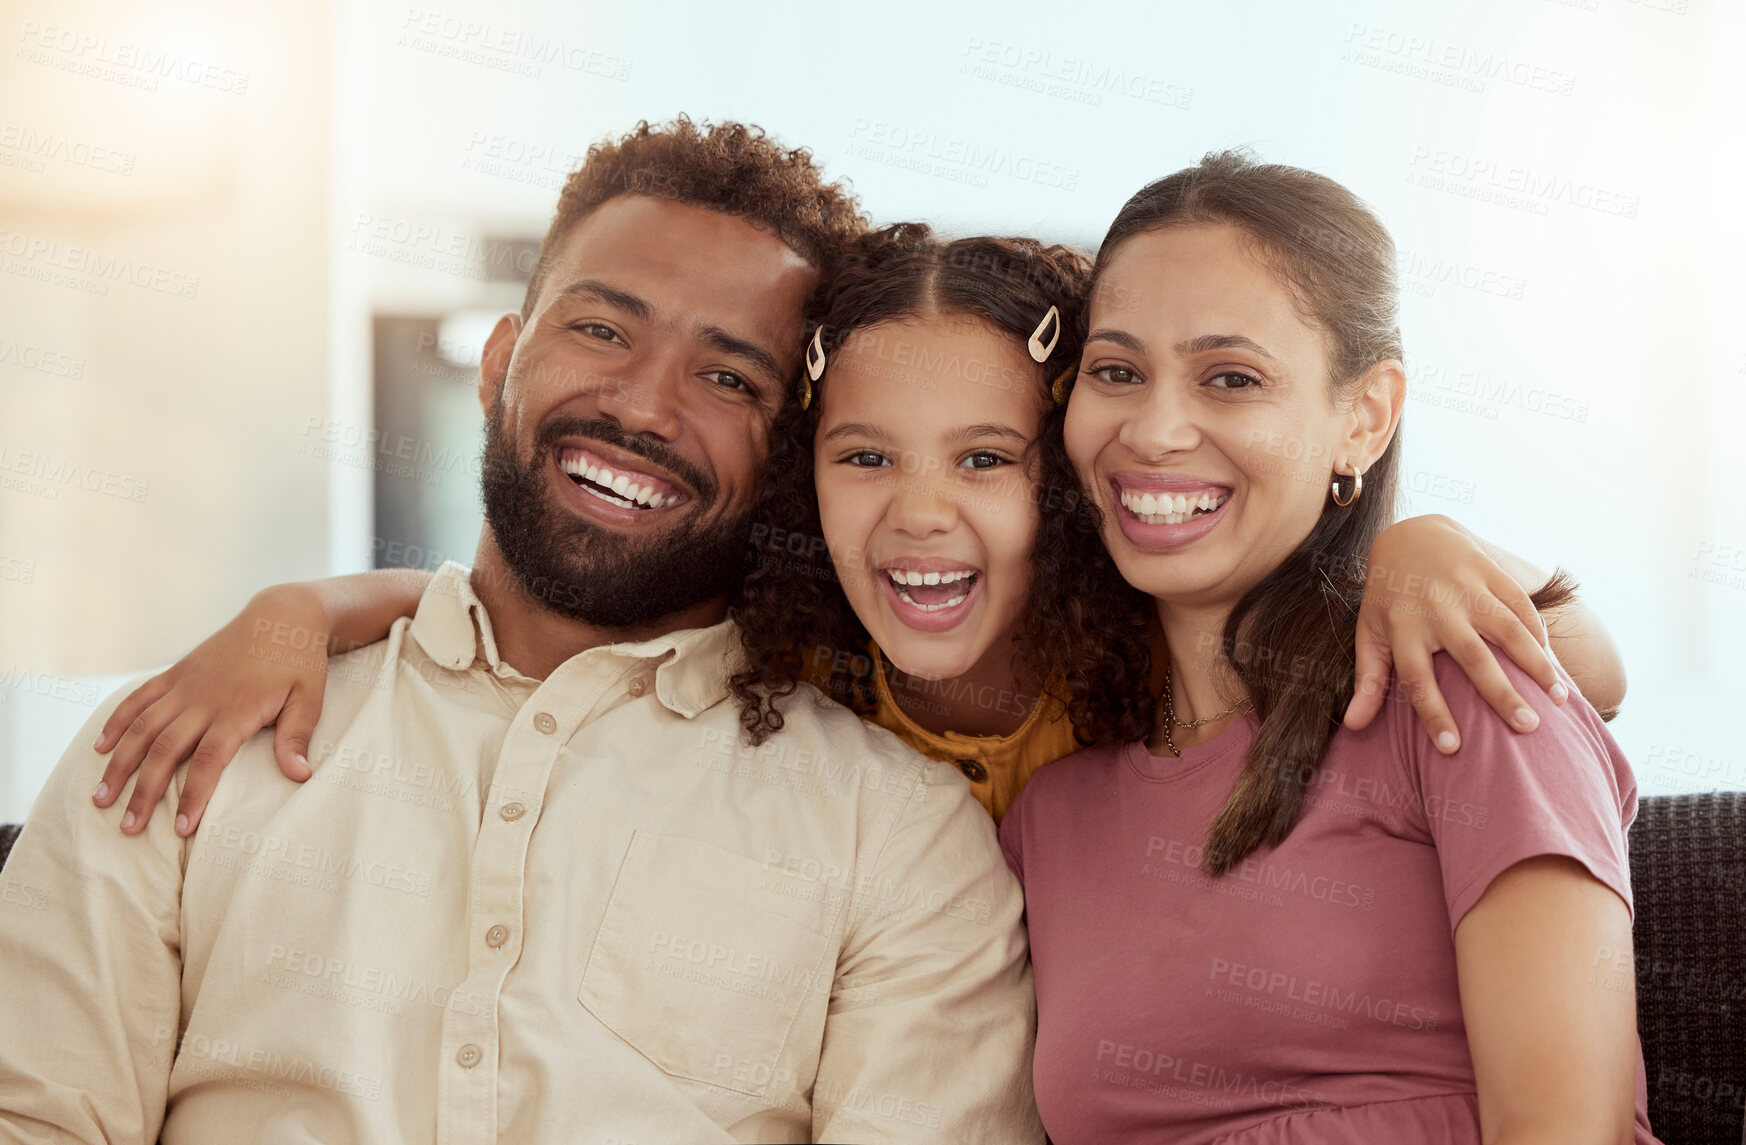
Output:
(1083, 631)
(729, 167)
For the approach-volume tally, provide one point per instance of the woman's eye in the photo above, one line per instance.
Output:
(982, 459)
(1116, 375)
(728, 380)
(866, 459)
(1234, 381)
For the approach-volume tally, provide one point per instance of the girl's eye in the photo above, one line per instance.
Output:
(866, 459)
(1234, 381)
(1116, 375)
(983, 459)
(728, 380)
(597, 330)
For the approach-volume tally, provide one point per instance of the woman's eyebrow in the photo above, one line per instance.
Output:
(1208, 342)
(1118, 337)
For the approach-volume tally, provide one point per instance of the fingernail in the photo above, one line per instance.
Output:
(181, 824)
(1560, 693)
(102, 790)
(1447, 741)
(127, 821)
(303, 762)
(1525, 718)
(102, 740)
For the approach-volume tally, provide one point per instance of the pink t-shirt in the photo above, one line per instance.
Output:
(1309, 995)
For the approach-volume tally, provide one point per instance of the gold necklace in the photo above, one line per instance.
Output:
(1171, 721)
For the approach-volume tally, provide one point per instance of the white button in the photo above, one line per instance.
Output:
(637, 687)
(512, 811)
(545, 724)
(496, 936)
(468, 1056)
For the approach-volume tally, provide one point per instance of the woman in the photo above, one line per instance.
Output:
(926, 446)
(1255, 926)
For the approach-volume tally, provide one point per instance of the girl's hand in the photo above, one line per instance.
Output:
(1432, 588)
(267, 666)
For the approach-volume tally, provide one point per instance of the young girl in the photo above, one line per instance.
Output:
(1253, 926)
(924, 555)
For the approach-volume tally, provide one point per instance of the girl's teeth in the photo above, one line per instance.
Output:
(956, 600)
(907, 576)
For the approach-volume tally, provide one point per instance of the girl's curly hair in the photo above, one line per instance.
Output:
(1083, 631)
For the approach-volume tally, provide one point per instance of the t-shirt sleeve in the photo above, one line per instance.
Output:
(1505, 796)
(1012, 834)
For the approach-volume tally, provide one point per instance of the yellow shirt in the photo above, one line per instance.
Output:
(998, 767)
(576, 909)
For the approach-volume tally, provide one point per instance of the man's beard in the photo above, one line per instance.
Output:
(586, 572)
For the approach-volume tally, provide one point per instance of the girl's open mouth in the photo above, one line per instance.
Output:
(930, 599)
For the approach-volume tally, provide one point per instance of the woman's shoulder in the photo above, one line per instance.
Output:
(1574, 725)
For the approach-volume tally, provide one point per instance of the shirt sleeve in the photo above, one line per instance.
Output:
(1012, 838)
(932, 1015)
(1506, 796)
(90, 946)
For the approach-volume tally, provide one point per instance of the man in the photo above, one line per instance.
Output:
(537, 889)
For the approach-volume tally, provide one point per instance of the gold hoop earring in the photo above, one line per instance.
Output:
(1058, 391)
(1357, 487)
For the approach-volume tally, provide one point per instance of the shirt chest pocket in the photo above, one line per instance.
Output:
(705, 958)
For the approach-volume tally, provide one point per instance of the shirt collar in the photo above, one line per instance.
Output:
(692, 665)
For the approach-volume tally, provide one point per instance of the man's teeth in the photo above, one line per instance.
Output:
(628, 494)
(1166, 509)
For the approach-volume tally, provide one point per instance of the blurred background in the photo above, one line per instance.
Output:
(249, 253)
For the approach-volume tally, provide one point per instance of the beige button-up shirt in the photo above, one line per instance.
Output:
(505, 909)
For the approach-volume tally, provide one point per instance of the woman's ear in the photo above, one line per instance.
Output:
(1376, 411)
(494, 363)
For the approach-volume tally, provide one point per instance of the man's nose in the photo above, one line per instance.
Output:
(645, 397)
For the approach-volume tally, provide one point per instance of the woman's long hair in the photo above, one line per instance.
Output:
(1291, 637)
(1083, 628)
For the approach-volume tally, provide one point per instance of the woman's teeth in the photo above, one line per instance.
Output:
(940, 596)
(1165, 509)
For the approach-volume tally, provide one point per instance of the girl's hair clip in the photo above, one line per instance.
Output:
(1051, 322)
(815, 366)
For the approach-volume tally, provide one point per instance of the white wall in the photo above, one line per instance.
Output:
(1578, 400)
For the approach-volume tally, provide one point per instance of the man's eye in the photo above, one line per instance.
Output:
(598, 330)
(1234, 381)
(728, 380)
(866, 459)
(1118, 375)
(983, 459)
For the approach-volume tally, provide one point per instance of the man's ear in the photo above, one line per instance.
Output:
(1376, 411)
(494, 364)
